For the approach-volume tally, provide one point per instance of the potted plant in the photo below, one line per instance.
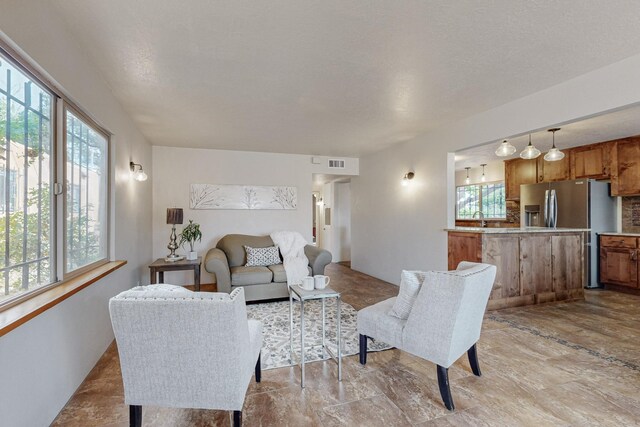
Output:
(190, 234)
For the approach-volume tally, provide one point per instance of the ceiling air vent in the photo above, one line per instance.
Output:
(336, 164)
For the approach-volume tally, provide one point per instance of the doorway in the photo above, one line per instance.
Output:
(332, 215)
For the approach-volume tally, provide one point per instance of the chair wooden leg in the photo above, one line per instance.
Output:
(473, 360)
(237, 418)
(135, 416)
(445, 390)
(258, 369)
(363, 349)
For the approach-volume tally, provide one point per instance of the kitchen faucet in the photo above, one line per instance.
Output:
(483, 223)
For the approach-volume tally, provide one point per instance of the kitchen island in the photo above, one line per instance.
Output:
(535, 264)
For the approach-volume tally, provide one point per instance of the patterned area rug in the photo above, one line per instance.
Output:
(275, 320)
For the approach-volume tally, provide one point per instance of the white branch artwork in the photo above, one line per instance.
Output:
(250, 198)
(219, 196)
(286, 197)
(204, 195)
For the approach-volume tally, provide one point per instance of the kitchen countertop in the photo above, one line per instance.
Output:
(620, 234)
(485, 230)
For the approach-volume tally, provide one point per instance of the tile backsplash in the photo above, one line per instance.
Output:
(631, 214)
(513, 212)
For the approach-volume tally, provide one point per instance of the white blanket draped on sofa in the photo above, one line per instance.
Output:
(291, 244)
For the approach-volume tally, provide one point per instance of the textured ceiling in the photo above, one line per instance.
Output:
(336, 77)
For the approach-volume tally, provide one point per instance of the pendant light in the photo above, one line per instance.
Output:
(505, 149)
(483, 178)
(554, 154)
(530, 152)
(467, 180)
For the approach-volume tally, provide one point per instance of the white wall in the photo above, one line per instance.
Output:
(494, 171)
(342, 221)
(46, 359)
(336, 237)
(177, 168)
(397, 228)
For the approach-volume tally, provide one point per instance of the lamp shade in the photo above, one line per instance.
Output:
(530, 152)
(174, 215)
(140, 176)
(554, 155)
(505, 149)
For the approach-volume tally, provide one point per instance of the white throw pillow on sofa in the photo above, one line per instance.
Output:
(410, 283)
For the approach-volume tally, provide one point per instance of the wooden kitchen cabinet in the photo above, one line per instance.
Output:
(503, 251)
(531, 267)
(619, 261)
(554, 171)
(618, 160)
(516, 173)
(591, 161)
(567, 270)
(464, 247)
(535, 263)
(625, 176)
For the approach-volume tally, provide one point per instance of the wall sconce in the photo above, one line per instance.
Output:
(139, 174)
(407, 177)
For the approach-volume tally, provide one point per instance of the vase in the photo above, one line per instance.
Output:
(192, 256)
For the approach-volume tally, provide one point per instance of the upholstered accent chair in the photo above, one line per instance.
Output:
(185, 349)
(443, 324)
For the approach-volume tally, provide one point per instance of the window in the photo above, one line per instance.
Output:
(487, 198)
(28, 150)
(86, 177)
(26, 174)
(8, 184)
(467, 201)
(492, 200)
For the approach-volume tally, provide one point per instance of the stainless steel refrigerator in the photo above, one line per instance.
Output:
(580, 203)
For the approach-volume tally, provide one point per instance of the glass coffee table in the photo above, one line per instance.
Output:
(302, 295)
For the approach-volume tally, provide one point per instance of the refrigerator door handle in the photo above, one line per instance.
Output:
(554, 217)
(546, 208)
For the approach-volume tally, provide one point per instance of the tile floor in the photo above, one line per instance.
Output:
(565, 364)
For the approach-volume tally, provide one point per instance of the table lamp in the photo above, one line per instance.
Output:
(174, 216)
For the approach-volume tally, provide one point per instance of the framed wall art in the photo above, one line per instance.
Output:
(221, 196)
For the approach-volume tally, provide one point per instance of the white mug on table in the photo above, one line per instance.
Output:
(321, 281)
(307, 283)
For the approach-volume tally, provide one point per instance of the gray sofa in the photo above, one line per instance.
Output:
(227, 262)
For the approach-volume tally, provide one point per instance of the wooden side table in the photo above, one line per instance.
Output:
(159, 266)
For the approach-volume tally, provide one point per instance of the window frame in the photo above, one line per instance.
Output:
(480, 185)
(60, 103)
(61, 236)
(17, 62)
(13, 191)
